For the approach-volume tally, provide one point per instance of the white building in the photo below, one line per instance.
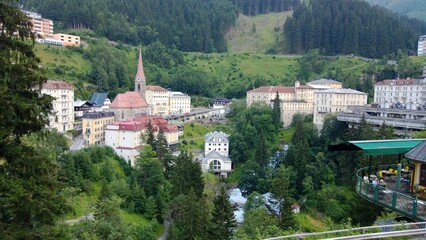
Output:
(62, 118)
(335, 101)
(157, 99)
(179, 103)
(421, 47)
(100, 102)
(125, 137)
(400, 93)
(216, 154)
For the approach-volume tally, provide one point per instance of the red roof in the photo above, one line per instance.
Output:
(274, 89)
(53, 84)
(156, 88)
(141, 122)
(407, 81)
(295, 205)
(129, 100)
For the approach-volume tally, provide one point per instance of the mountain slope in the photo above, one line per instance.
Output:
(411, 8)
(257, 34)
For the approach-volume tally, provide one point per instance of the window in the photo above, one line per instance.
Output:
(423, 175)
(215, 165)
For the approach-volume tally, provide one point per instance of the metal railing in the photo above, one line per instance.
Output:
(370, 232)
(405, 204)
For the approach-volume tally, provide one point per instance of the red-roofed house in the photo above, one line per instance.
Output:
(297, 99)
(128, 104)
(125, 136)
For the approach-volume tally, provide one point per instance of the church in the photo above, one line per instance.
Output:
(148, 100)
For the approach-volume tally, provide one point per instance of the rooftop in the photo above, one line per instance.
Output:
(273, 89)
(156, 88)
(54, 84)
(98, 98)
(407, 81)
(98, 114)
(342, 90)
(129, 100)
(324, 81)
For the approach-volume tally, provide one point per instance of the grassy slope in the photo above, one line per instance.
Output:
(268, 32)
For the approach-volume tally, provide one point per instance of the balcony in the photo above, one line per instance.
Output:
(395, 196)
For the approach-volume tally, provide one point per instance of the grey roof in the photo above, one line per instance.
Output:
(209, 136)
(342, 90)
(323, 80)
(98, 114)
(215, 155)
(81, 103)
(98, 99)
(417, 153)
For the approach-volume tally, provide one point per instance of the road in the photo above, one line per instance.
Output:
(78, 143)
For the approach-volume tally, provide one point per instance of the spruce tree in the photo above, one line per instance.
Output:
(223, 219)
(186, 175)
(276, 111)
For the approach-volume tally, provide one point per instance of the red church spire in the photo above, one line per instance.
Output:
(140, 73)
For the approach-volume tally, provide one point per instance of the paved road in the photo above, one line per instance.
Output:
(166, 230)
(77, 144)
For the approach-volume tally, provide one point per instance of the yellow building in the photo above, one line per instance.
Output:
(93, 124)
(157, 99)
(67, 40)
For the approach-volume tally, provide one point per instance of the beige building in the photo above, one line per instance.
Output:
(179, 102)
(325, 84)
(334, 101)
(42, 27)
(62, 118)
(93, 124)
(297, 99)
(127, 105)
(401, 93)
(157, 99)
(67, 40)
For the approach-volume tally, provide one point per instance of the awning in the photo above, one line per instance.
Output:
(378, 147)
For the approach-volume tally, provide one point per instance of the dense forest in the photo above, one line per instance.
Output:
(254, 7)
(350, 27)
(190, 25)
(411, 8)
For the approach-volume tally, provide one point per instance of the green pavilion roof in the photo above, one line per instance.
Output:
(378, 147)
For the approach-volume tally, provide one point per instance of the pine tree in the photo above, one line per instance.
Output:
(30, 202)
(286, 220)
(186, 175)
(151, 138)
(276, 111)
(223, 219)
(151, 208)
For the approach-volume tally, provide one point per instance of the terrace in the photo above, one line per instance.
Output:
(401, 184)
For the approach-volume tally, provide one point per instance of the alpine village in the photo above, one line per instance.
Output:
(212, 119)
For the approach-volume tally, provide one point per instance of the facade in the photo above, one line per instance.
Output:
(334, 101)
(127, 105)
(80, 108)
(125, 136)
(42, 27)
(67, 39)
(62, 118)
(93, 124)
(157, 99)
(297, 99)
(179, 103)
(216, 154)
(100, 102)
(222, 105)
(421, 47)
(401, 93)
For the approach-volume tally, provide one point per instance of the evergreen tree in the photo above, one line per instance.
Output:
(286, 220)
(151, 207)
(223, 219)
(187, 175)
(276, 111)
(30, 202)
(151, 138)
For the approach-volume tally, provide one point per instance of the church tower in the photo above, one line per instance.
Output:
(140, 83)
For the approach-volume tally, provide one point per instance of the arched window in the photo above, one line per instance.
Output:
(215, 165)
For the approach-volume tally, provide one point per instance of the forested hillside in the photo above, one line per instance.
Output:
(190, 25)
(254, 7)
(350, 27)
(411, 8)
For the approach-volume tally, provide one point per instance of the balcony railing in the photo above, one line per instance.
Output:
(404, 203)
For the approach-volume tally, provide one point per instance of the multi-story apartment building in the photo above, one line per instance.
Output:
(297, 99)
(62, 117)
(126, 137)
(421, 46)
(67, 40)
(93, 124)
(179, 103)
(334, 101)
(157, 99)
(400, 93)
(42, 27)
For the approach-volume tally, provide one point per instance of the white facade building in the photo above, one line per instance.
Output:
(401, 93)
(421, 47)
(62, 118)
(157, 99)
(335, 101)
(216, 154)
(179, 103)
